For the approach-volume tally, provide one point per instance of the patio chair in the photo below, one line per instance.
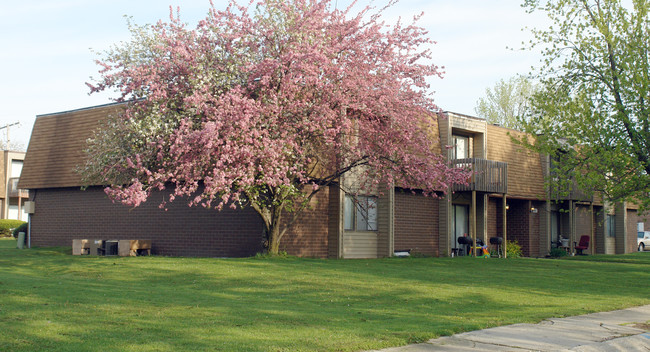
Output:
(583, 244)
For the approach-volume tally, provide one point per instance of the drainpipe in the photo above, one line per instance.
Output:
(29, 230)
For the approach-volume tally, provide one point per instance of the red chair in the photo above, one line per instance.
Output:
(583, 244)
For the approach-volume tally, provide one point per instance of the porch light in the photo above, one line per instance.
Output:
(507, 206)
(533, 210)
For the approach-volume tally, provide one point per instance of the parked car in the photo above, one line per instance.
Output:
(643, 241)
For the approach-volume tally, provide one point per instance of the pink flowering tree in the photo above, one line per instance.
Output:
(262, 106)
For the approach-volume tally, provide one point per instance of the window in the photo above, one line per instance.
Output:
(461, 147)
(360, 213)
(16, 168)
(639, 229)
(611, 225)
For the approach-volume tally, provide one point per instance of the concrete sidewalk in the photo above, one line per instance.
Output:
(620, 330)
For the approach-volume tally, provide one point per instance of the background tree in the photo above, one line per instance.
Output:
(507, 103)
(263, 106)
(592, 113)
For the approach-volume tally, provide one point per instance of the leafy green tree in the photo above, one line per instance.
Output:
(507, 103)
(592, 112)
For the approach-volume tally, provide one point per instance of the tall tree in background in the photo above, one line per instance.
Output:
(262, 106)
(592, 114)
(507, 103)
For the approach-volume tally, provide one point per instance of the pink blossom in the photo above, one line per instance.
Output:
(265, 110)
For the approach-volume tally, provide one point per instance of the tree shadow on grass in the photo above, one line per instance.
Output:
(60, 302)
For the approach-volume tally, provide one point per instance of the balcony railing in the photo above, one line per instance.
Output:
(14, 191)
(568, 190)
(487, 175)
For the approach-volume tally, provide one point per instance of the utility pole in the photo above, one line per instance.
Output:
(7, 127)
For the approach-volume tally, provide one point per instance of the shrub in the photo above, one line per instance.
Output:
(21, 228)
(7, 225)
(558, 252)
(513, 249)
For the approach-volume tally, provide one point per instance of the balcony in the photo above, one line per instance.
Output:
(14, 191)
(487, 175)
(568, 190)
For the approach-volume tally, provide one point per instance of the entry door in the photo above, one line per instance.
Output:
(460, 224)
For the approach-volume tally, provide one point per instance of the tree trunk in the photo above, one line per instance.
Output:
(274, 240)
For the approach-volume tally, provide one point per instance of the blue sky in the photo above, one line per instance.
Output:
(46, 55)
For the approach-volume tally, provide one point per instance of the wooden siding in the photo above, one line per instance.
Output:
(3, 175)
(525, 175)
(434, 132)
(335, 222)
(56, 146)
(357, 245)
(620, 240)
(631, 235)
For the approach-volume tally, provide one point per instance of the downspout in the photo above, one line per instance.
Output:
(29, 222)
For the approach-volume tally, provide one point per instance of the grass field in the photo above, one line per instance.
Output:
(50, 300)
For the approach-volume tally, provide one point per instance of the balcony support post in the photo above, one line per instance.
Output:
(504, 219)
(473, 224)
(591, 240)
(572, 226)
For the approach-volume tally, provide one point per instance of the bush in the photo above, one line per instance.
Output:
(557, 253)
(21, 228)
(7, 226)
(513, 249)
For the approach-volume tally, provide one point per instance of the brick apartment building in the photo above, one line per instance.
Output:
(506, 195)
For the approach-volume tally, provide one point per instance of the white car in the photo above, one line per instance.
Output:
(643, 241)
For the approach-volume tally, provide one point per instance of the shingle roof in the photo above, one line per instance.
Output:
(56, 146)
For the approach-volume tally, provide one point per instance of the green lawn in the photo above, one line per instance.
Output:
(50, 300)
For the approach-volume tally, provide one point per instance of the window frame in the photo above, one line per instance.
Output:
(364, 216)
(455, 138)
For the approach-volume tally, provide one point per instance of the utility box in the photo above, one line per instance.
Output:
(110, 247)
(29, 207)
(80, 247)
(134, 247)
(96, 247)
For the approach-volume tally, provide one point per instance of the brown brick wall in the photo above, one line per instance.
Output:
(495, 216)
(519, 224)
(599, 230)
(308, 237)
(533, 230)
(66, 213)
(416, 223)
(584, 225)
